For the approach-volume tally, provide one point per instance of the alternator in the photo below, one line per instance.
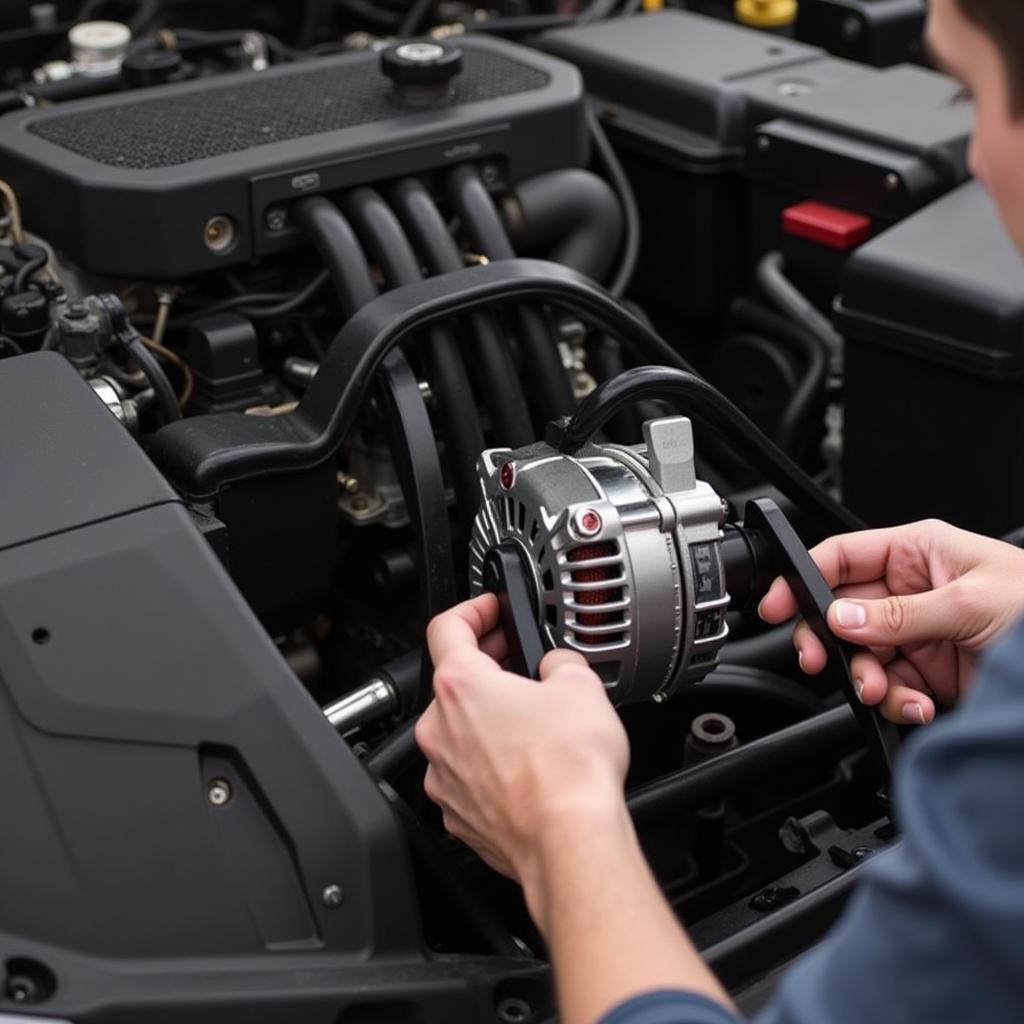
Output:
(623, 549)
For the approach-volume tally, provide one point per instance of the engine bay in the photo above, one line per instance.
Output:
(319, 318)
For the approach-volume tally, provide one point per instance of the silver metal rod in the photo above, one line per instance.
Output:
(360, 707)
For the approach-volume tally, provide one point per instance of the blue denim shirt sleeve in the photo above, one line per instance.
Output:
(935, 931)
(669, 1006)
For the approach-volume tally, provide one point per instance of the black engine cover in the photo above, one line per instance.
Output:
(128, 184)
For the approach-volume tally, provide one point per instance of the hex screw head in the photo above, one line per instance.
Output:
(218, 792)
(333, 896)
(588, 523)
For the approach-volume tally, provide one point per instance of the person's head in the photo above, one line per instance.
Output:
(981, 42)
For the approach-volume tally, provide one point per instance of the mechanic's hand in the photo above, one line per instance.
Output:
(923, 599)
(513, 761)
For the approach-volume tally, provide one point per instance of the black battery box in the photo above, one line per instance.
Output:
(933, 316)
(721, 127)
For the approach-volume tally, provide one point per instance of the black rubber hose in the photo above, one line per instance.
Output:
(772, 649)
(323, 223)
(811, 389)
(498, 379)
(574, 218)
(412, 439)
(753, 683)
(627, 200)
(166, 399)
(35, 261)
(746, 765)
(389, 247)
(548, 379)
(713, 409)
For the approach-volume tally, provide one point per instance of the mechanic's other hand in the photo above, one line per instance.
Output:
(513, 761)
(922, 599)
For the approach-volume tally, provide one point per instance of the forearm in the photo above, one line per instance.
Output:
(609, 929)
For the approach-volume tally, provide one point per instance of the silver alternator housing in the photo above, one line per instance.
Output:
(623, 545)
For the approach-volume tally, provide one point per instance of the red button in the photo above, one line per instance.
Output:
(827, 225)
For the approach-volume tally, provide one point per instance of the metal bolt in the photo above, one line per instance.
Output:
(514, 1011)
(359, 504)
(489, 173)
(588, 523)
(218, 792)
(333, 896)
(764, 143)
(276, 218)
(507, 475)
(891, 182)
(219, 234)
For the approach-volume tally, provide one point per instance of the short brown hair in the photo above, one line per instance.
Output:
(1003, 22)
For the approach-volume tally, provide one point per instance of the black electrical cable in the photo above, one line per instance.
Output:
(162, 390)
(810, 391)
(412, 438)
(497, 378)
(521, 25)
(189, 39)
(414, 18)
(35, 259)
(288, 305)
(548, 378)
(627, 200)
(717, 778)
(388, 245)
(714, 410)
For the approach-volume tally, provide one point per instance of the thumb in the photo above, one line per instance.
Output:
(898, 619)
(560, 658)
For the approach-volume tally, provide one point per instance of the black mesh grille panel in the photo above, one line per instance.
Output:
(174, 130)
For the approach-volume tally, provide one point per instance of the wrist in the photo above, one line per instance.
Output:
(592, 828)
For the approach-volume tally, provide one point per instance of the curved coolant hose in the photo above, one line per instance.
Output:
(712, 409)
(412, 438)
(811, 389)
(573, 217)
(791, 301)
(627, 200)
(497, 378)
(456, 406)
(166, 399)
(548, 378)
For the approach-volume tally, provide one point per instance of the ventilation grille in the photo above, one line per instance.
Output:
(172, 130)
(598, 611)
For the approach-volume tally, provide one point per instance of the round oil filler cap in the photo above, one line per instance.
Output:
(421, 70)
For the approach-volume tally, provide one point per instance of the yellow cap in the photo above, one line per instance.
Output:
(766, 13)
